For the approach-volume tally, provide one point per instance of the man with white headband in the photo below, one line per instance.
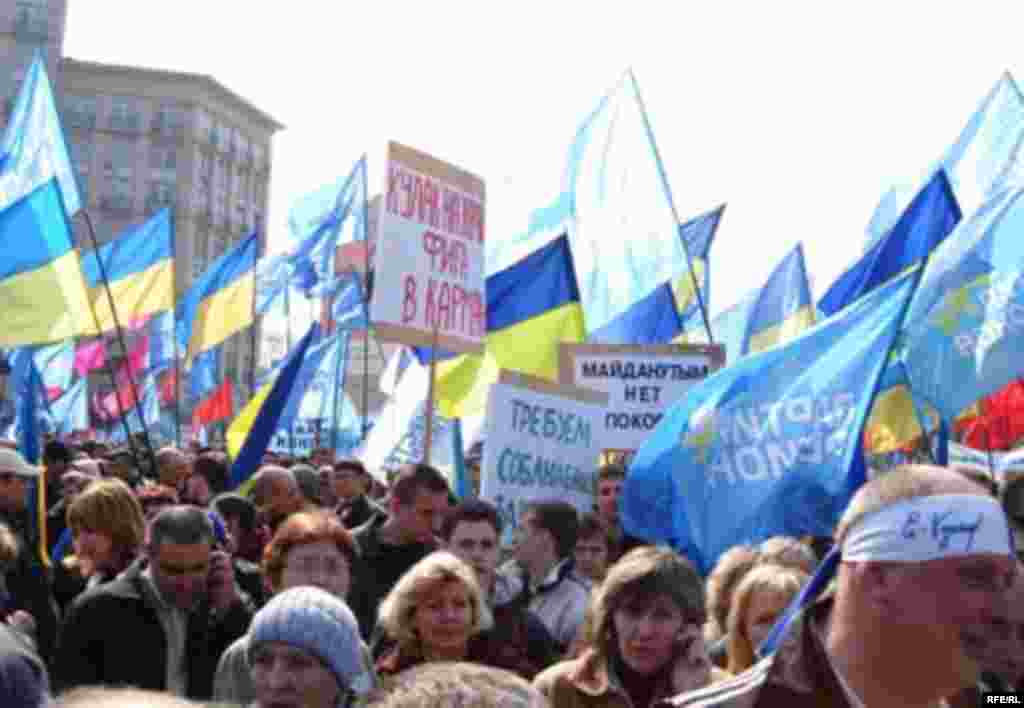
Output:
(923, 554)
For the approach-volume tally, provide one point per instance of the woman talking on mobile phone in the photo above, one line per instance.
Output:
(646, 641)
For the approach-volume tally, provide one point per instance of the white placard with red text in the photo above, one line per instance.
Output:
(429, 260)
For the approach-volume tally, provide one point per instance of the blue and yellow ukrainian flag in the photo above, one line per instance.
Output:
(41, 285)
(532, 306)
(250, 432)
(783, 308)
(931, 216)
(222, 301)
(661, 316)
(139, 266)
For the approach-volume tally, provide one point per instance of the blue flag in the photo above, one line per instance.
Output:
(70, 412)
(661, 316)
(256, 424)
(978, 164)
(204, 376)
(783, 307)
(273, 275)
(965, 326)
(323, 220)
(769, 445)
(149, 405)
(931, 216)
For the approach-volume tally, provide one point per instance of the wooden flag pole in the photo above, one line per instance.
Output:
(428, 434)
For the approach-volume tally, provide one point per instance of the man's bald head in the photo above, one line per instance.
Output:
(276, 491)
(902, 483)
(172, 466)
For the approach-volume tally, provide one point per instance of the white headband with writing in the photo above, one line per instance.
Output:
(929, 528)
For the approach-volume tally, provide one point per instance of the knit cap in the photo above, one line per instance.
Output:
(315, 621)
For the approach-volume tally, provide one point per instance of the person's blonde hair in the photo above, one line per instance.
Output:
(788, 552)
(643, 574)
(437, 569)
(777, 579)
(108, 506)
(443, 684)
(721, 584)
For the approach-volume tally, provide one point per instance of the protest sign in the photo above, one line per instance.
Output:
(429, 260)
(642, 382)
(543, 444)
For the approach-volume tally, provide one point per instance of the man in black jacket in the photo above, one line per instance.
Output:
(350, 482)
(162, 625)
(389, 546)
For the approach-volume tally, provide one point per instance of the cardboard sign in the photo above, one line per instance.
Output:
(642, 382)
(429, 259)
(543, 444)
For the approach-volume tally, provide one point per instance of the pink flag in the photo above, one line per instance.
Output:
(138, 357)
(90, 356)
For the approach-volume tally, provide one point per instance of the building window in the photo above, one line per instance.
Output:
(163, 161)
(160, 195)
(120, 160)
(81, 155)
(169, 120)
(80, 112)
(124, 114)
(215, 133)
(32, 20)
(119, 195)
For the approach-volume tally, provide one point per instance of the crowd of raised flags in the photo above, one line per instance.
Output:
(901, 346)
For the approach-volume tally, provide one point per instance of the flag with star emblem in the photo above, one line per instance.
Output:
(965, 327)
(771, 444)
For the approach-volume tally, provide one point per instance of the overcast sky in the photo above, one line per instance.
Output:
(799, 115)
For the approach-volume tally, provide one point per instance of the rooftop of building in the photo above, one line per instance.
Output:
(211, 84)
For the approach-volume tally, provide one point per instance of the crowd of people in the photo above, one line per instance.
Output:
(316, 586)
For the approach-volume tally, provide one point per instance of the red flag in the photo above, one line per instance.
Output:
(1000, 423)
(216, 407)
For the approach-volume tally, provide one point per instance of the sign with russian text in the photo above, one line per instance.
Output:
(543, 444)
(429, 259)
(642, 382)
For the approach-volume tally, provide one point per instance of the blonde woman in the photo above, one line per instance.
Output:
(646, 638)
(760, 599)
(436, 612)
(108, 530)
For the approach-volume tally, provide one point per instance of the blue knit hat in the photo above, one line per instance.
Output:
(315, 621)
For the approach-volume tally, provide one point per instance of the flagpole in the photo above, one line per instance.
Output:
(428, 414)
(124, 349)
(177, 380)
(288, 349)
(365, 287)
(334, 413)
(253, 335)
(672, 204)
